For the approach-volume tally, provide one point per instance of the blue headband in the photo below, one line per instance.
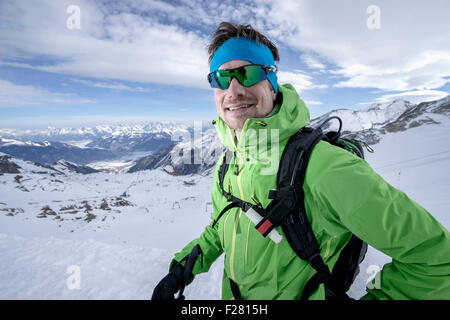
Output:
(245, 49)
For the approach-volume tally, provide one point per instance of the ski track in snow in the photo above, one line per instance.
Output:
(125, 256)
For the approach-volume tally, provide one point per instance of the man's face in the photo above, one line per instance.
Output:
(231, 102)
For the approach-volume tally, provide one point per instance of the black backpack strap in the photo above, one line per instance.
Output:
(289, 192)
(322, 276)
(228, 207)
(223, 170)
(346, 268)
(189, 266)
(297, 228)
(235, 290)
(234, 201)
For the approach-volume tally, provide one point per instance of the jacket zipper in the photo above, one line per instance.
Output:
(235, 226)
(241, 193)
(238, 216)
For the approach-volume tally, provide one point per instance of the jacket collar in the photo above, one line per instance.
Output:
(286, 119)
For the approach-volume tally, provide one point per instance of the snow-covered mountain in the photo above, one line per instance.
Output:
(31, 186)
(371, 123)
(86, 145)
(198, 155)
(93, 133)
(65, 166)
(378, 116)
(9, 164)
(49, 152)
(373, 117)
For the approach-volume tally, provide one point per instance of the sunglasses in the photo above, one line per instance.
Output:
(246, 75)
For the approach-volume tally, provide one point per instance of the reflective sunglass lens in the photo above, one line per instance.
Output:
(246, 76)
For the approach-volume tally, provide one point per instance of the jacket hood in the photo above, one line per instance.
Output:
(284, 120)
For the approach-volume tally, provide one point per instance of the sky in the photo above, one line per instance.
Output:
(83, 63)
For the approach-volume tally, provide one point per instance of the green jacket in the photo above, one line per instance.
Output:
(343, 195)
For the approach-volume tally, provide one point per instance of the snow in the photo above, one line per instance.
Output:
(123, 252)
(132, 130)
(112, 166)
(36, 252)
(372, 117)
(416, 161)
(80, 144)
(6, 142)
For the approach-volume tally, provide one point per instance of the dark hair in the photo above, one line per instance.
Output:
(227, 30)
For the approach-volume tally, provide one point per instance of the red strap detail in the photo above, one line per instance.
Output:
(264, 227)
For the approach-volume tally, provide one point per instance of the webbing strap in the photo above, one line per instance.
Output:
(228, 207)
(298, 230)
(235, 202)
(223, 170)
(235, 290)
(189, 267)
(320, 277)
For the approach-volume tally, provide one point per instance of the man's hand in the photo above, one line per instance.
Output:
(169, 285)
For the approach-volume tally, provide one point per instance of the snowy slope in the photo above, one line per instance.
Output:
(47, 225)
(123, 252)
(416, 161)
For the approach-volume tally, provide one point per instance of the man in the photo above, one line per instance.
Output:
(343, 195)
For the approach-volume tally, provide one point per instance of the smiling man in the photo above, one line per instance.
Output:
(247, 88)
(342, 197)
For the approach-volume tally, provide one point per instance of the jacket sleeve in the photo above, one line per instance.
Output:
(211, 249)
(208, 241)
(362, 202)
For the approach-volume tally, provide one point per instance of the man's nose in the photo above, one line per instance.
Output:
(235, 88)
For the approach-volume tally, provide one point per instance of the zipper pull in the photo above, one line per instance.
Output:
(257, 202)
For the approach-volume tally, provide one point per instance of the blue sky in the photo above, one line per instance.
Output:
(137, 61)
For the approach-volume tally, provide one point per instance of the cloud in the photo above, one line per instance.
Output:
(409, 52)
(15, 95)
(427, 72)
(312, 103)
(299, 80)
(160, 42)
(312, 62)
(111, 85)
(413, 96)
(113, 43)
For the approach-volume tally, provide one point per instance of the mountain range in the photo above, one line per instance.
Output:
(86, 145)
(155, 146)
(371, 123)
(93, 133)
